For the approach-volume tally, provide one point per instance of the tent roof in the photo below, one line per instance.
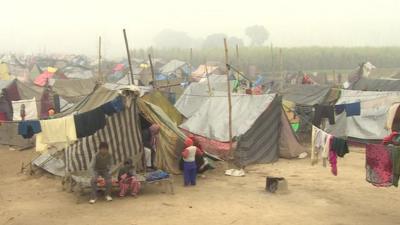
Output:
(211, 118)
(367, 84)
(196, 93)
(172, 66)
(306, 94)
(159, 100)
(73, 90)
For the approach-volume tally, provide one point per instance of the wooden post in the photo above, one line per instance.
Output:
(131, 78)
(190, 63)
(229, 94)
(237, 61)
(334, 77)
(153, 76)
(281, 67)
(99, 69)
(208, 80)
(272, 60)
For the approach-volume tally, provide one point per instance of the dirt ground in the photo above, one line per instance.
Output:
(314, 197)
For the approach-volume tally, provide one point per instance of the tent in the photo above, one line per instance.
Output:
(73, 90)
(367, 84)
(122, 132)
(175, 68)
(370, 125)
(196, 93)
(255, 122)
(203, 70)
(171, 139)
(157, 98)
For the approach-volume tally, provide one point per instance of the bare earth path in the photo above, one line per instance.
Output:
(315, 197)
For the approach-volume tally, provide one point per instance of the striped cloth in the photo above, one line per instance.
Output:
(122, 133)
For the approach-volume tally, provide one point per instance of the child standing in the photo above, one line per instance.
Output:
(127, 180)
(189, 162)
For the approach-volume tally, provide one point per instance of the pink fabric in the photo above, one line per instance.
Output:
(118, 67)
(332, 157)
(220, 149)
(42, 79)
(129, 183)
(3, 116)
(378, 165)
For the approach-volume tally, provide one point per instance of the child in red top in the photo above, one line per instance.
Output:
(189, 162)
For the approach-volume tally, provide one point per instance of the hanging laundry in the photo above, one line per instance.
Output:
(28, 128)
(323, 111)
(340, 146)
(378, 165)
(295, 126)
(89, 122)
(319, 141)
(114, 106)
(327, 147)
(61, 130)
(333, 161)
(26, 109)
(351, 109)
(3, 116)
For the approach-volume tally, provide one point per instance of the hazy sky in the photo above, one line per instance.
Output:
(73, 26)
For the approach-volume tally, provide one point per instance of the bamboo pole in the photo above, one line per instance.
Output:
(99, 69)
(153, 76)
(281, 67)
(208, 80)
(272, 60)
(190, 64)
(229, 94)
(131, 78)
(237, 61)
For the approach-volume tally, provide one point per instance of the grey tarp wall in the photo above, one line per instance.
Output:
(260, 143)
(306, 94)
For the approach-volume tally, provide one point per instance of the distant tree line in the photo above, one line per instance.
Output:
(294, 59)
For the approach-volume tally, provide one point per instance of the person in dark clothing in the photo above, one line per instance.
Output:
(100, 167)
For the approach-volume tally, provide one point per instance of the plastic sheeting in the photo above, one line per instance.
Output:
(370, 125)
(73, 90)
(197, 93)
(306, 94)
(211, 119)
(159, 100)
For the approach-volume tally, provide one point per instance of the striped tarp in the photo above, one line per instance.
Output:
(122, 133)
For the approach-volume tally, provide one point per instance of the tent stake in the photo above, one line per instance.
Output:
(229, 95)
(131, 79)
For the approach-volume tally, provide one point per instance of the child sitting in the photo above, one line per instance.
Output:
(127, 179)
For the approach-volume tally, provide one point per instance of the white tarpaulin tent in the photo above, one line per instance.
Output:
(211, 119)
(370, 125)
